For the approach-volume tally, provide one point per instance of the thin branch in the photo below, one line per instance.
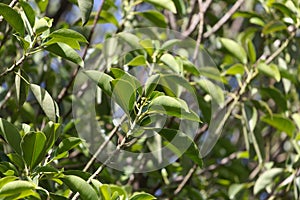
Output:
(224, 19)
(64, 91)
(195, 19)
(200, 31)
(185, 180)
(15, 65)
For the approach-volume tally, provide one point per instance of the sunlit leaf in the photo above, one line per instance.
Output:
(154, 17)
(103, 80)
(167, 4)
(65, 51)
(266, 179)
(142, 196)
(45, 100)
(77, 184)
(235, 49)
(33, 148)
(281, 123)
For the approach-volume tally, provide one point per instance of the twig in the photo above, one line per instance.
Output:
(196, 19)
(200, 31)
(185, 180)
(224, 19)
(64, 91)
(18, 63)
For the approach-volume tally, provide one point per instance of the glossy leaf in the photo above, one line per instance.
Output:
(142, 196)
(52, 132)
(42, 4)
(235, 49)
(173, 107)
(176, 137)
(33, 148)
(266, 179)
(85, 7)
(66, 145)
(13, 18)
(235, 69)
(16, 187)
(77, 184)
(67, 36)
(167, 4)
(281, 123)
(42, 25)
(137, 61)
(30, 14)
(11, 135)
(65, 51)
(269, 70)
(45, 100)
(155, 17)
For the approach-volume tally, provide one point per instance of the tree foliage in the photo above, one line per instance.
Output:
(247, 88)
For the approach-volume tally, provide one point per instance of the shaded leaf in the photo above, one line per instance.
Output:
(273, 26)
(155, 17)
(213, 89)
(13, 18)
(66, 145)
(130, 39)
(33, 148)
(85, 7)
(234, 189)
(151, 84)
(235, 49)
(276, 95)
(77, 184)
(21, 87)
(179, 141)
(11, 135)
(45, 101)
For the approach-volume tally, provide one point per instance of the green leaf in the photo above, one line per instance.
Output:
(45, 101)
(141, 196)
(42, 4)
(170, 61)
(179, 141)
(130, 39)
(137, 61)
(11, 135)
(234, 189)
(281, 123)
(42, 25)
(29, 12)
(251, 117)
(65, 51)
(77, 184)
(190, 67)
(13, 18)
(17, 160)
(235, 69)
(7, 179)
(51, 131)
(66, 145)
(235, 49)
(151, 84)
(16, 187)
(167, 4)
(103, 80)
(67, 36)
(273, 26)
(266, 179)
(85, 7)
(211, 73)
(276, 95)
(21, 87)
(213, 90)
(269, 70)
(148, 45)
(173, 107)
(251, 51)
(154, 17)
(33, 148)
(124, 93)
